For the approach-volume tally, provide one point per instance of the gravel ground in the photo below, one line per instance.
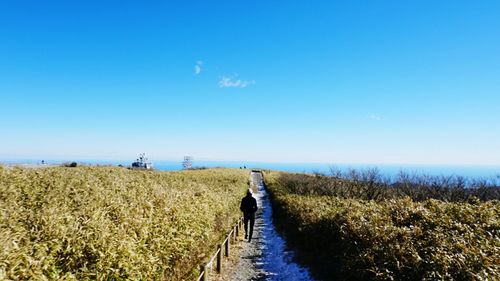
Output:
(266, 257)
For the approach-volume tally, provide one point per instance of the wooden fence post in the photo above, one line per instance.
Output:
(205, 269)
(242, 226)
(219, 258)
(206, 272)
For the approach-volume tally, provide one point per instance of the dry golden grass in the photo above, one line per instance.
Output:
(396, 239)
(106, 223)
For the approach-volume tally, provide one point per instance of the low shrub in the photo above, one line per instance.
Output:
(394, 239)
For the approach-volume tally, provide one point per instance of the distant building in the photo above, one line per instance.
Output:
(142, 163)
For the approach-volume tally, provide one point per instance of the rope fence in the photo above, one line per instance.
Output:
(222, 249)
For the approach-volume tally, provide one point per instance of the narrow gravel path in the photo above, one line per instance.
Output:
(266, 257)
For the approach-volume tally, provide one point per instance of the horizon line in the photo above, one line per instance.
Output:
(21, 160)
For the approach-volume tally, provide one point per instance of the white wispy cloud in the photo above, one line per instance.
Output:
(233, 82)
(374, 117)
(197, 67)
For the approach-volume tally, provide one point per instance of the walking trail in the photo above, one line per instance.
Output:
(266, 257)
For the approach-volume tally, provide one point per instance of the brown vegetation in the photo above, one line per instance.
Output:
(113, 224)
(359, 228)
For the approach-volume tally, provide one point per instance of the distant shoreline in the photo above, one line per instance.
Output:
(29, 166)
(391, 170)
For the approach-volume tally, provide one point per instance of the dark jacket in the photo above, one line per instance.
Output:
(248, 205)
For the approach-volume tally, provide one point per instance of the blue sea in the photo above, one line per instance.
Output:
(388, 170)
(486, 172)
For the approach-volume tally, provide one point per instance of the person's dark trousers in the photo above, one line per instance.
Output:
(249, 218)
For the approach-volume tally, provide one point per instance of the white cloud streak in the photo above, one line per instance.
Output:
(374, 117)
(232, 82)
(197, 67)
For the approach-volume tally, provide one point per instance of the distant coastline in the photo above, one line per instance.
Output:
(27, 165)
(390, 170)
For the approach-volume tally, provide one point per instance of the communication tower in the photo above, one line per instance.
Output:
(187, 163)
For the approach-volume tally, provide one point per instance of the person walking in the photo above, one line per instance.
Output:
(248, 206)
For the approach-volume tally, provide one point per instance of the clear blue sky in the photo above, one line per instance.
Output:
(289, 81)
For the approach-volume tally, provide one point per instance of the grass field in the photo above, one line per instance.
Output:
(109, 223)
(346, 237)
